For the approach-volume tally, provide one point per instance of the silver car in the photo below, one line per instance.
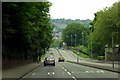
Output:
(49, 61)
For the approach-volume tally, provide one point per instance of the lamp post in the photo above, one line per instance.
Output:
(91, 39)
(76, 48)
(71, 40)
(82, 38)
(75, 40)
(106, 50)
(112, 53)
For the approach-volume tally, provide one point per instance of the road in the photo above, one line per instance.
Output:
(66, 70)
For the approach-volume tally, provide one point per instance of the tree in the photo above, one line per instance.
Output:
(26, 28)
(105, 25)
(70, 31)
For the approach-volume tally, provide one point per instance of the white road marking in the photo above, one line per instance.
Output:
(102, 71)
(87, 71)
(65, 69)
(69, 73)
(33, 73)
(74, 78)
(72, 72)
(53, 73)
(48, 73)
(98, 71)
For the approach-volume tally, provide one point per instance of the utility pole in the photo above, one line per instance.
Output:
(112, 53)
(71, 40)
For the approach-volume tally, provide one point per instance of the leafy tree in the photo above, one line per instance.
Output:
(26, 28)
(72, 31)
(105, 26)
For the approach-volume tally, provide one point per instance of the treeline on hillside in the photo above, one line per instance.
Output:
(26, 30)
(60, 24)
(68, 21)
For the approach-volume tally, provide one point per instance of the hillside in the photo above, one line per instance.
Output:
(60, 24)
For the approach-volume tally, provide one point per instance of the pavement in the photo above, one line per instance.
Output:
(105, 65)
(94, 65)
(20, 71)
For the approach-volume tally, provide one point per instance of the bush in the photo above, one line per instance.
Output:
(83, 55)
(101, 57)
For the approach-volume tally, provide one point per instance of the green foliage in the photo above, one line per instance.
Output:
(26, 28)
(83, 48)
(83, 55)
(56, 43)
(101, 57)
(72, 29)
(105, 26)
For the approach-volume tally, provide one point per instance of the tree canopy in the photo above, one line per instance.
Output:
(72, 32)
(106, 25)
(26, 28)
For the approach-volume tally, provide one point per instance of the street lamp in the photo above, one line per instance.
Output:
(76, 48)
(82, 38)
(106, 50)
(71, 40)
(112, 53)
(91, 38)
(75, 41)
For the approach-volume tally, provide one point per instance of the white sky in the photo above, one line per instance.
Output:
(78, 9)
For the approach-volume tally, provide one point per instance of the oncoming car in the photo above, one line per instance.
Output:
(49, 61)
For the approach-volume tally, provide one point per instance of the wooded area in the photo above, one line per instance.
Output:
(27, 31)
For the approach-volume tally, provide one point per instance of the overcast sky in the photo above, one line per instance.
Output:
(78, 9)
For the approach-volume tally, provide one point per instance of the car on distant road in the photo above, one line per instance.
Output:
(49, 61)
(51, 53)
(61, 59)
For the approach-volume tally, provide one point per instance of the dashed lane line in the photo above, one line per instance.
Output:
(33, 73)
(67, 72)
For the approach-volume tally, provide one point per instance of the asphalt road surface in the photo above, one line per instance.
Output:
(70, 71)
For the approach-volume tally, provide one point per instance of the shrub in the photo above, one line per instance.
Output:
(101, 57)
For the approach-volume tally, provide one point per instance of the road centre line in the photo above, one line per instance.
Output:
(33, 73)
(65, 69)
(74, 78)
(67, 72)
